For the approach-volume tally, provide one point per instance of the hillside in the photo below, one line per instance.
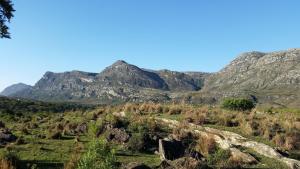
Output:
(272, 79)
(14, 89)
(116, 83)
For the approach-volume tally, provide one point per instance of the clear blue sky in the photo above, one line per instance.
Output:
(184, 35)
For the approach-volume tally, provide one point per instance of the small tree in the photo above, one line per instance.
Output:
(98, 156)
(238, 104)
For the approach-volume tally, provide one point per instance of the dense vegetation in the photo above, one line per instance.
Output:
(238, 104)
(19, 106)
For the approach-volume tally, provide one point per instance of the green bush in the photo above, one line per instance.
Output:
(136, 142)
(221, 159)
(238, 104)
(98, 156)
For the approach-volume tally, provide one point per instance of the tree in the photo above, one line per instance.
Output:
(6, 13)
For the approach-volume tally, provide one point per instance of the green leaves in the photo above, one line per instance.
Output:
(6, 13)
(98, 156)
(237, 104)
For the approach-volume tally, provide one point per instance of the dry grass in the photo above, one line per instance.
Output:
(6, 164)
(253, 123)
(75, 156)
(206, 145)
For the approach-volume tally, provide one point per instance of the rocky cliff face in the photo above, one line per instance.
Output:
(119, 82)
(123, 74)
(271, 77)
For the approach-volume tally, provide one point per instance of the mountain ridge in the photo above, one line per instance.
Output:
(271, 78)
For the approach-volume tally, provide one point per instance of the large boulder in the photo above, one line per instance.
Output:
(117, 135)
(245, 158)
(135, 165)
(183, 163)
(82, 128)
(6, 136)
(170, 149)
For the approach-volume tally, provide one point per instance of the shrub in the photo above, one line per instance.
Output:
(174, 111)
(54, 134)
(219, 159)
(2, 125)
(238, 104)
(292, 140)
(98, 156)
(279, 140)
(136, 142)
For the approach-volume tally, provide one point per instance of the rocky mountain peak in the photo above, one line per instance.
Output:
(120, 62)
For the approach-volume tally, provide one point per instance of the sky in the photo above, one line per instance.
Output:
(182, 35)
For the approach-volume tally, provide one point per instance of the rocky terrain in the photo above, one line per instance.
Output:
(272, 78)
(119, 82)
(268, 78)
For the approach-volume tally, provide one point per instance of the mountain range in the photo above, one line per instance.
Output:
(268, 78)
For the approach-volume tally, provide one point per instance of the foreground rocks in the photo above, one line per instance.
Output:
(135, 165)
(170, 149)
(230, 140)
(117, 135)
(183, 163)
(5, 135)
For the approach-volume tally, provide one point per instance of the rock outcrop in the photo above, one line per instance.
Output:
(230, 140)
(272, 78)
(170, 149)
(6, 135)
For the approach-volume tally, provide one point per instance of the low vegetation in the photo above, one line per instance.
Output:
(116, 136)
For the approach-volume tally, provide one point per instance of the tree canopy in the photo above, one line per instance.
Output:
(6, 13)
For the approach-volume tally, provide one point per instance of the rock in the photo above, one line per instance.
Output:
(188, 163)
(6, 136)
(117, 135)
(239, 156)
(81, 128)
(170, 149)
(135, 165)
(183, 163)
(228, 140)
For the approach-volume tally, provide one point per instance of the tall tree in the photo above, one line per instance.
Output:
(6, 13)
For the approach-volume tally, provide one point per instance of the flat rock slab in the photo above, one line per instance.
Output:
(229, 140)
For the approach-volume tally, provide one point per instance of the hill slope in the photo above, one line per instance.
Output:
(271, 77)
(119, 82)
(14, 89)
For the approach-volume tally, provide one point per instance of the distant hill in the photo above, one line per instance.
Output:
(268, 78)
(13, 89)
